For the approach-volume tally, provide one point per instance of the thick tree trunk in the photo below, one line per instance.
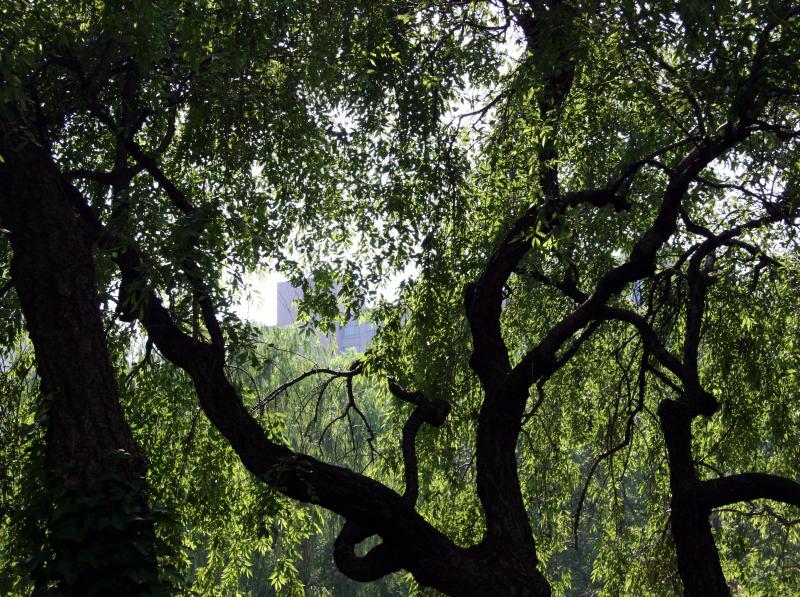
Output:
(92, 463)
(698, 557)
(501, 570)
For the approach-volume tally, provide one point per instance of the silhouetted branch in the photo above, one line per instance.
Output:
(746, 487)
(381, 559)
(334, 373)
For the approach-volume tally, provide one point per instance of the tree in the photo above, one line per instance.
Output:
(639, 168)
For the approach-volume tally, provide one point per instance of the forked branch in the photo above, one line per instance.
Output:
(382, 559)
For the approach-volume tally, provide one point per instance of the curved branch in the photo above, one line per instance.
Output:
(698, 282)
(745, 487)
(432, 412)
(382, 559)
(169, 134)
(648, 336)
(298, 476)
(641, 262)
(375, 564)
(125, 133)
(177, 196)
(483, 299)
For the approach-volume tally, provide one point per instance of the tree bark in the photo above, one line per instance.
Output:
(698, 558)
(90, 453)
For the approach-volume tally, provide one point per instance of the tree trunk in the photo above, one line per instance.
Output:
(100, 530)
(698, 558)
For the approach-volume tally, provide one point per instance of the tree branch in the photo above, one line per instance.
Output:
(305, 375)
(432, 412)
(641, 262)
(746, 487)
(354, 496)
(626, 440)
(381, 559)
(698, 282)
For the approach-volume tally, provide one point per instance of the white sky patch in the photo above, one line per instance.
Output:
(258, 304)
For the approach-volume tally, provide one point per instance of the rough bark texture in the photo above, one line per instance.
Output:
(89, 446)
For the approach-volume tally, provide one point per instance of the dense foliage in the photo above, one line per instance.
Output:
(587, 386)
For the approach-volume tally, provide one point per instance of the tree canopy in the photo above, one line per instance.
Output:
(589, 384)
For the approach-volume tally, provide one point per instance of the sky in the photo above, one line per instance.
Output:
(260, 306)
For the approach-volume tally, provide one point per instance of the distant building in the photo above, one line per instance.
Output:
(351, 335)
(287, 295)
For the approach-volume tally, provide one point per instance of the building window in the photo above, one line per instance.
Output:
(350, 331)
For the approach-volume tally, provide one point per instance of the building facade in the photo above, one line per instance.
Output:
(354, 334)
